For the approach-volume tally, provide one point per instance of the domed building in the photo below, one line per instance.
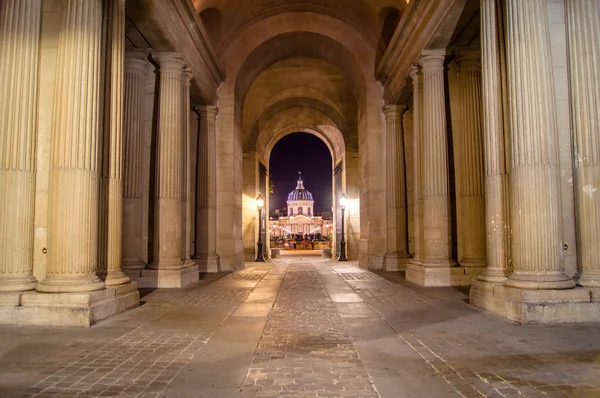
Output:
(300, 201)
(300, 217)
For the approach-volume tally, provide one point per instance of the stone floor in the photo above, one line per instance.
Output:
(302, 327)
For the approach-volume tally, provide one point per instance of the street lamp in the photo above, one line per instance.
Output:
(343, 202)
(260, 202)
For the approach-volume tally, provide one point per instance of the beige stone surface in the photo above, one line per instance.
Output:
(74, 156)
(104, 166)
(20, 24)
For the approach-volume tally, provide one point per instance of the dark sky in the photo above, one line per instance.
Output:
(308, 154)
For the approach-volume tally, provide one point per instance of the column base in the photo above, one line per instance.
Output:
(21, 284)
(537, 306)
(81, 284)
(116, 278)
(424, 275)
(169, 278)
(586, 279)
(67, 309)
(207, 263)
(394, 262)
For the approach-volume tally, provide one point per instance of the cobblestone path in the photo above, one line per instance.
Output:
(305, 350)
(302, 328)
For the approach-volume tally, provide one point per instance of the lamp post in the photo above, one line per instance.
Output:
(343, 202)
(260, 202)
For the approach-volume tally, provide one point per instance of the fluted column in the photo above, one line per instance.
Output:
(435, 172)
(20, 22)
(206, 191)
(168, 167)
(186, 191)
(471, 157)
(583, 35)
(397, 232)
(417, 80)
(536, 243)
(407, 130)
(74, 153)
(497, 211)
(113, 161)
(136, 69)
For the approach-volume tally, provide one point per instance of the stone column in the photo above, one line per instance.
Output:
(74, 154)
(435, 170)
(114, 161)
(583, 35)
(497, 211)
(206, 190)
(471, 157)
(169, 150)
(186, 192)
(20, 22)
(407, 129)
(397, 229)
(136, 69)
(536, 243)
(417, 80)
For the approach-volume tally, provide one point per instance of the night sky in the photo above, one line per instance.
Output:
(308, 154)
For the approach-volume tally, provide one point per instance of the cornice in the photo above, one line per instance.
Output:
(417, 28)
(185, 32)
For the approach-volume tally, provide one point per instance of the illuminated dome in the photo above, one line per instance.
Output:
(300, 193)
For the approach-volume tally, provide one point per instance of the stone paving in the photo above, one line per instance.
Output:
(297, 327)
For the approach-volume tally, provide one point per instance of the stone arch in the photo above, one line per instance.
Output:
(332, 36)
(339, 141)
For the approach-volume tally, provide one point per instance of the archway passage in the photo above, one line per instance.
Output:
(300, 194)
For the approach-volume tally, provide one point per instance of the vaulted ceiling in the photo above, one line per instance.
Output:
(226, 19)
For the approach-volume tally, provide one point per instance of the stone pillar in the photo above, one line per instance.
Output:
(136, 69)
(417, 80)
(407, 129)
(435, 171)
(206, 190)
(495, 136)
(186, 191)
(583, 35)
(536, 243)
(397, 229)
(471, 157)
(113, 160)
(74, 153)
(168, 168)
(20, 22)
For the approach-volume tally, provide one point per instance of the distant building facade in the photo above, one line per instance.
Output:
(300, 217)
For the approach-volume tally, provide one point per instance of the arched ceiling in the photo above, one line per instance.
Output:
(284, 82)
(226, 19)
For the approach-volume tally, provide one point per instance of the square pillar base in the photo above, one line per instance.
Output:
(537, 306)
(133, 274)
(67, 309)
(395, 264)
(169, 278)
(207, 264)
(442, 276)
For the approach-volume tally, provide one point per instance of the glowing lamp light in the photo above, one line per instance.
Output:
(343, 201)
(260, 202)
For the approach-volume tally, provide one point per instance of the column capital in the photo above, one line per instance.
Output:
(432, 60)
(468, 60)
(187, 76)
(136, 61)
(413, 72)
(207, 111)
(394, 111)
(169, 61)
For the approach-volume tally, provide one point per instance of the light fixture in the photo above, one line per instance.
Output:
(260, 202)
(343, 203)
